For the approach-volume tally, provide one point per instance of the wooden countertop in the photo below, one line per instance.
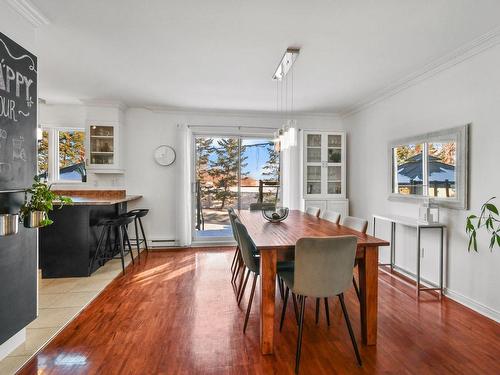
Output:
(88, 201)
(97, 197)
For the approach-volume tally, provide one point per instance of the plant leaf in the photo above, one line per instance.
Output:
(492, 208)
(492, 242)
(489, 223)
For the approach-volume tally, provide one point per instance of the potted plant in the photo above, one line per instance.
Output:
(38, 201)
(488, 219)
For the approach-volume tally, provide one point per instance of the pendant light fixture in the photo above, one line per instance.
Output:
(283, 76)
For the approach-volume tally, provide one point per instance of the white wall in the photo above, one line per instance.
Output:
(145, 130)
(466, 93)
(16, 27)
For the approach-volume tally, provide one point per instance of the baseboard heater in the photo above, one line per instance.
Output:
(163, 243)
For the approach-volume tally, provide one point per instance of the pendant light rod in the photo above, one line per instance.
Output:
(286, 63)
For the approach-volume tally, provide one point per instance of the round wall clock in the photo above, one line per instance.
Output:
(164, 155)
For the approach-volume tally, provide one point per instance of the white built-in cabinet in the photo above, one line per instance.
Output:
(324, 171)
(104, 146)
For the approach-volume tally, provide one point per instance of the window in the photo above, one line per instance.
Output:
(232, 171)
(71, 155)
(61, 155)
(43, 154)
(432, 166)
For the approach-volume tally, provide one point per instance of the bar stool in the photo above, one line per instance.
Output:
(136, 215)
(104, 249)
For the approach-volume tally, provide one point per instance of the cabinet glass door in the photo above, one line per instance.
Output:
(313, 164)
(314, 148)
(334, 148)
(324, 164)
(101, 145)
(334, 180)
(313, 179)
(334, 164)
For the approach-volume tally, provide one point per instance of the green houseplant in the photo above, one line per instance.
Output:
(488, 219)
(38, 201)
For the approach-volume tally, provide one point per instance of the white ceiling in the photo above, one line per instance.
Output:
(221, 54)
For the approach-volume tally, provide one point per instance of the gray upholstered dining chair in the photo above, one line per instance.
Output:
(236, 264)
(313, 211)
(332, 216)
(251, 262)
(323, 268)
(361, 225)
(355, 223)
(251, 259)
(240, 264)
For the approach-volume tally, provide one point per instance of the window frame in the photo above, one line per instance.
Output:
(53, 152)
(460, 135)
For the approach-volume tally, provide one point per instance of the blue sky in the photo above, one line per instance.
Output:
(257, 156)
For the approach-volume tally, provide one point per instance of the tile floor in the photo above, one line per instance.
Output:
(60, 300)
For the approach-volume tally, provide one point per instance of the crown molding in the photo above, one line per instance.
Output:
(234, 113)
(31, 13)
(104, 103)
(183, 111)
(457, 56)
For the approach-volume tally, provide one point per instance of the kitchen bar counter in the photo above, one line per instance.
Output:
(67, 246)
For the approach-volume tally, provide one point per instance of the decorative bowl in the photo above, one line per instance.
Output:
(275, 215)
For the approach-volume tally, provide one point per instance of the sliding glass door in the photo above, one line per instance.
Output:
(231, 172)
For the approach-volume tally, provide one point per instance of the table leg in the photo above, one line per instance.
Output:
(441, 264)
(393, 245)
(268, 260)
(368, 282)
(418, 261)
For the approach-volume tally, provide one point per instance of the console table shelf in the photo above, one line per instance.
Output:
(414, 223)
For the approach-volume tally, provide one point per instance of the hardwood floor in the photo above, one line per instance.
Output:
(175, 313)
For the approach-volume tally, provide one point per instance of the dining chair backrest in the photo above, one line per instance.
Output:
(260, 206)
(247, 247)
(324, 265)
(332, 216)
(313, 211)
(356, 223)
(232, 217)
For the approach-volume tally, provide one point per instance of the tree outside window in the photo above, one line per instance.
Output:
(68, 146)
(43, 155)
(72, 155)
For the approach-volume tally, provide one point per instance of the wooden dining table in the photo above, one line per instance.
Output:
(276, 241)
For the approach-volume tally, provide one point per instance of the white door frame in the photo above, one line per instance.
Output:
(215, 134)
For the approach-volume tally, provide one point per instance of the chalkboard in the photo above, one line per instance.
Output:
(18, 115)
(18, 273)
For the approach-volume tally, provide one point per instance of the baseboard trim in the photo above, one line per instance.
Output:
(457, 297)
(12, 343)
(473, 305)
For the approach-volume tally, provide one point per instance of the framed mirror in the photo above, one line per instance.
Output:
(431, 166)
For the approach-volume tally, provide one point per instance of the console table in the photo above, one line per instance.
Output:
(414, 223)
